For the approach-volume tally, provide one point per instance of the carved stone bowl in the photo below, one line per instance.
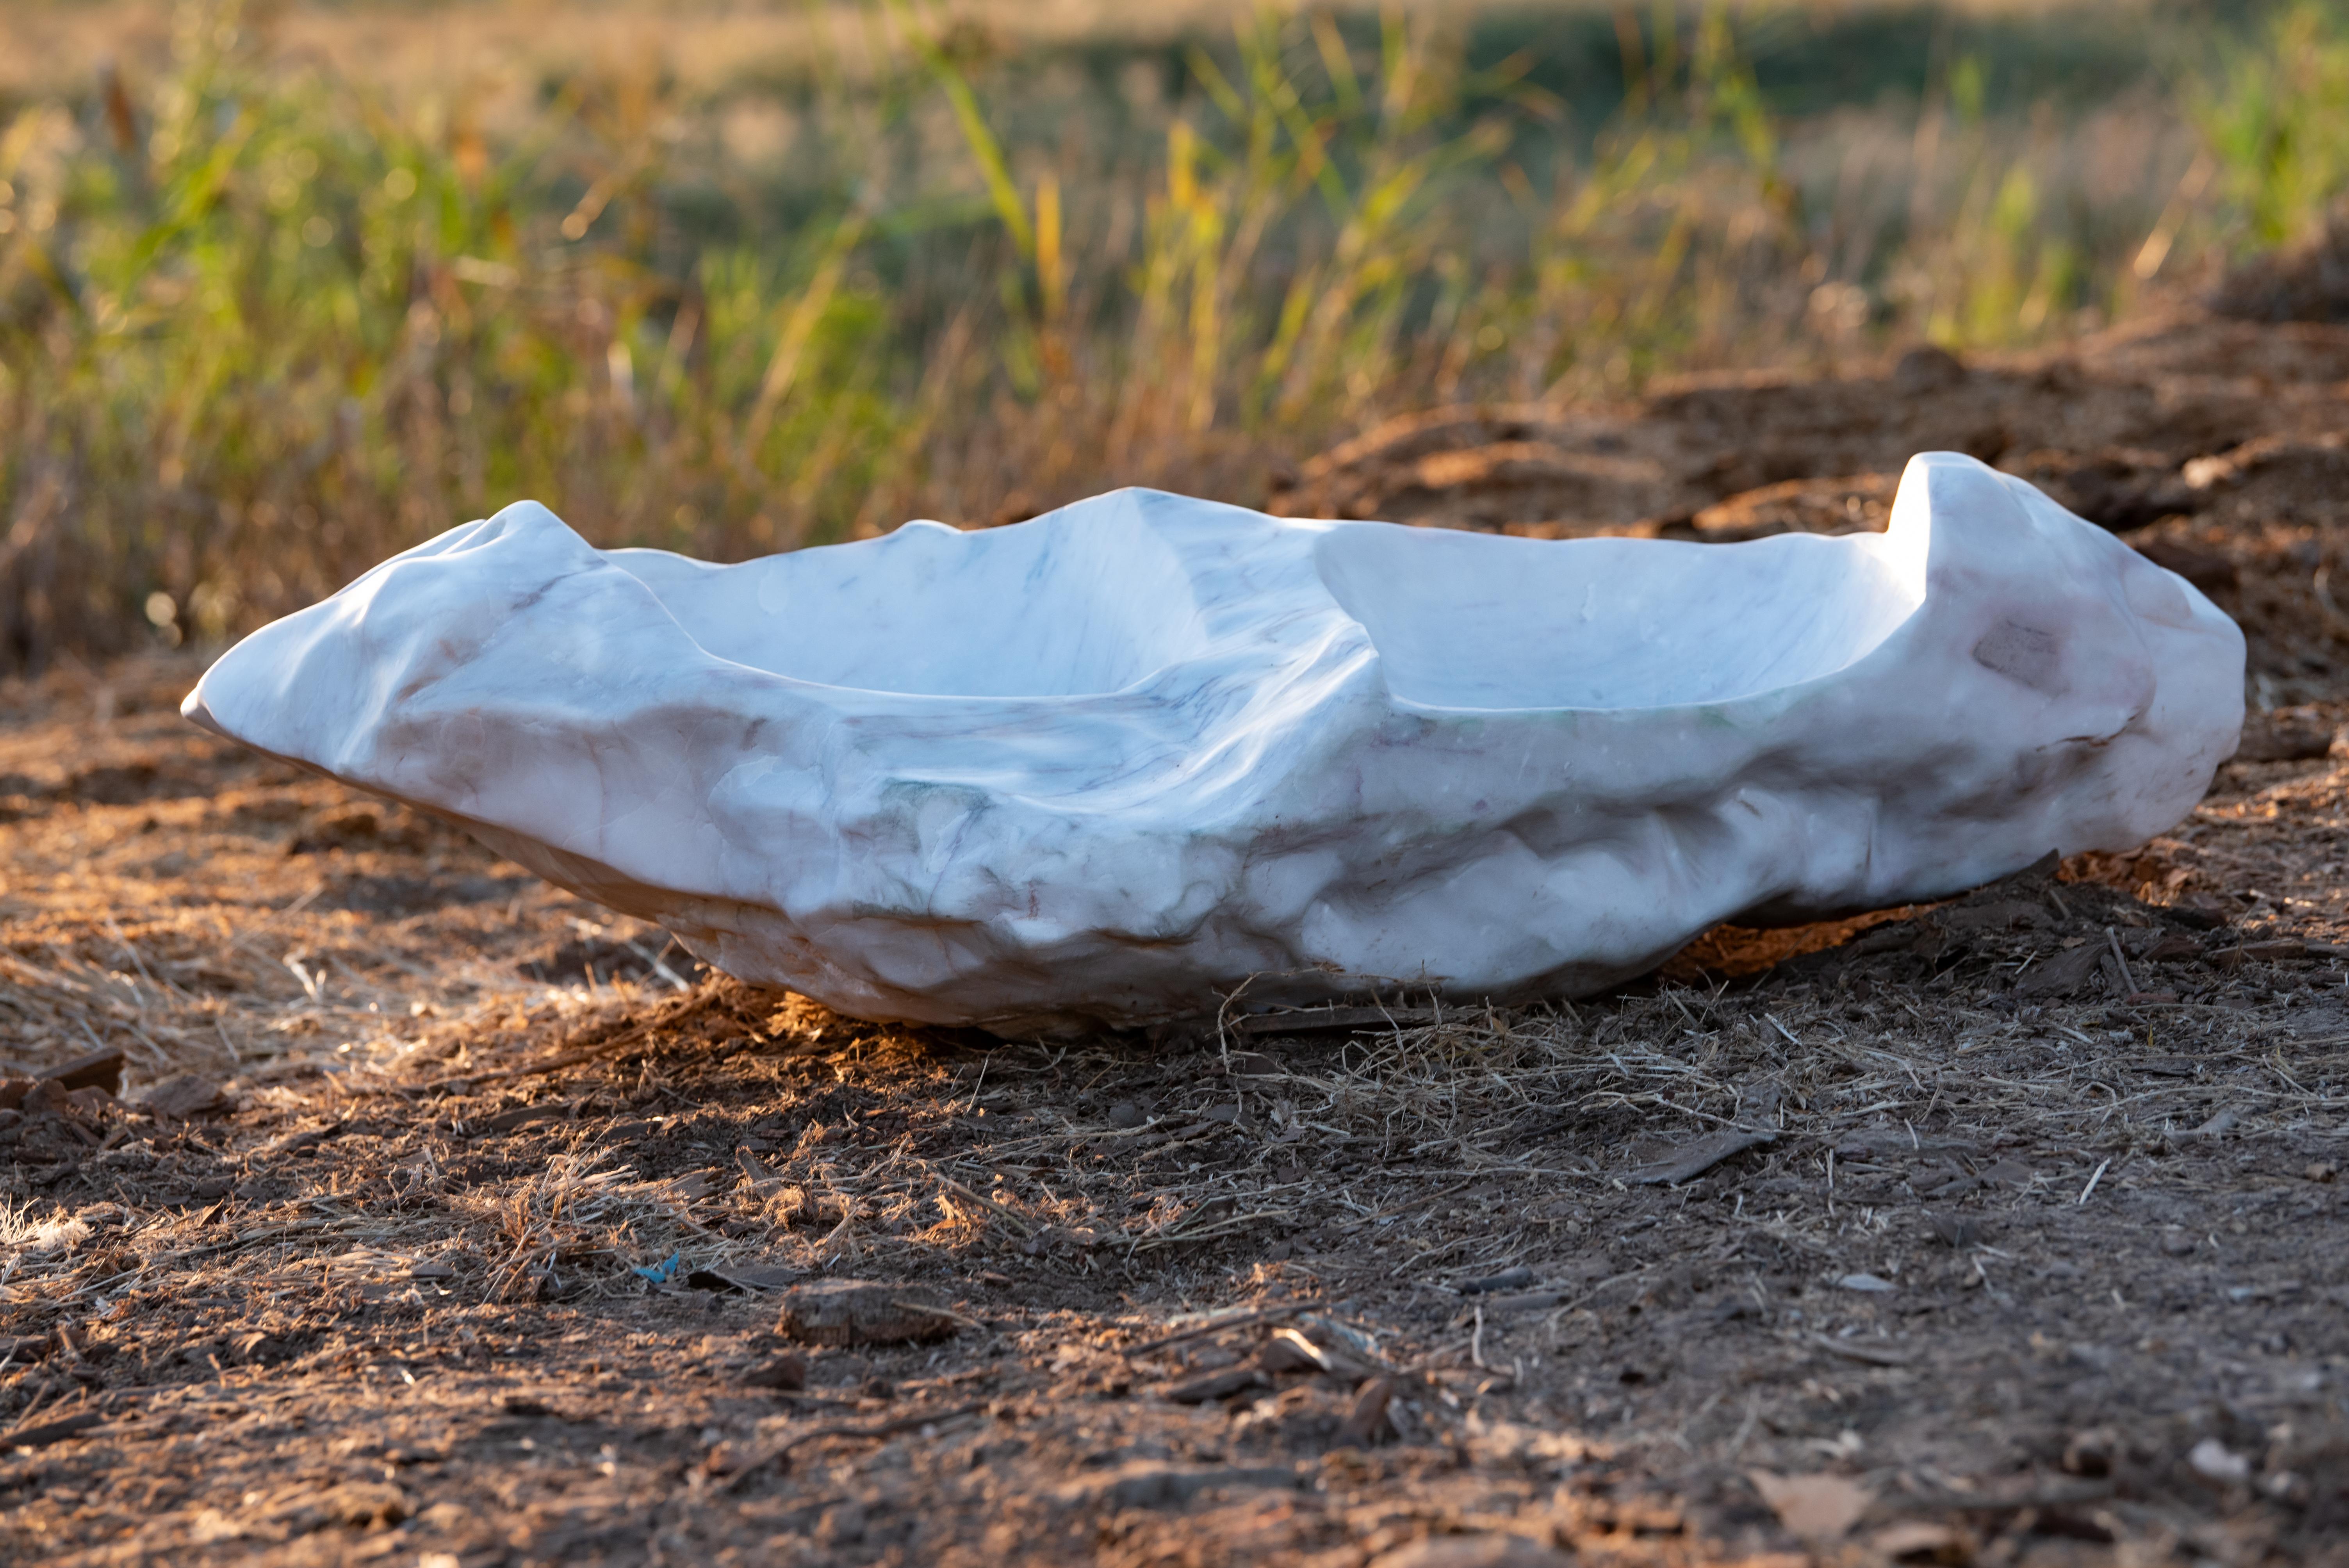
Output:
(1108, 765)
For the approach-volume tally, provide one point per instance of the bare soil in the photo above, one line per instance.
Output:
(438, 1217)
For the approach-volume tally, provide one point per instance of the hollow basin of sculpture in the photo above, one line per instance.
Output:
(1115, 764)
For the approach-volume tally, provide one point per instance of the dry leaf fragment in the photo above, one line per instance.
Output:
(521, 1115)
(2222, 1121)
(1214, 1386)
(1289, 1351)
(1702, 1156)
(1332, 1349)
(692, 1187)
(1818, 1508)
(1368, 1417)
(178, 1098)
(1958, 1231)
(99, 1070)
(862, 1311)
(1332, 1336)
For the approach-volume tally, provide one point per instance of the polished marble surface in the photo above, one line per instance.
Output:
(1109, 765)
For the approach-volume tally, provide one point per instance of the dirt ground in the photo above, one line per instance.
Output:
(436, 1217)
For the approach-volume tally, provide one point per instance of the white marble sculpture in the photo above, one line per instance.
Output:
(1106, 765)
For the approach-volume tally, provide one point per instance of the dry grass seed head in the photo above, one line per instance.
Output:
(30, 1237)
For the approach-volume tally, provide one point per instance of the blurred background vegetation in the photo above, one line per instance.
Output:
(283, 289)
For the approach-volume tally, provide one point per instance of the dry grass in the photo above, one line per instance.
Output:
(49, 47)
(265, 318)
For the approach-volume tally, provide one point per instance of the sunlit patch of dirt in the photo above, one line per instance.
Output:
(1739, 951)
